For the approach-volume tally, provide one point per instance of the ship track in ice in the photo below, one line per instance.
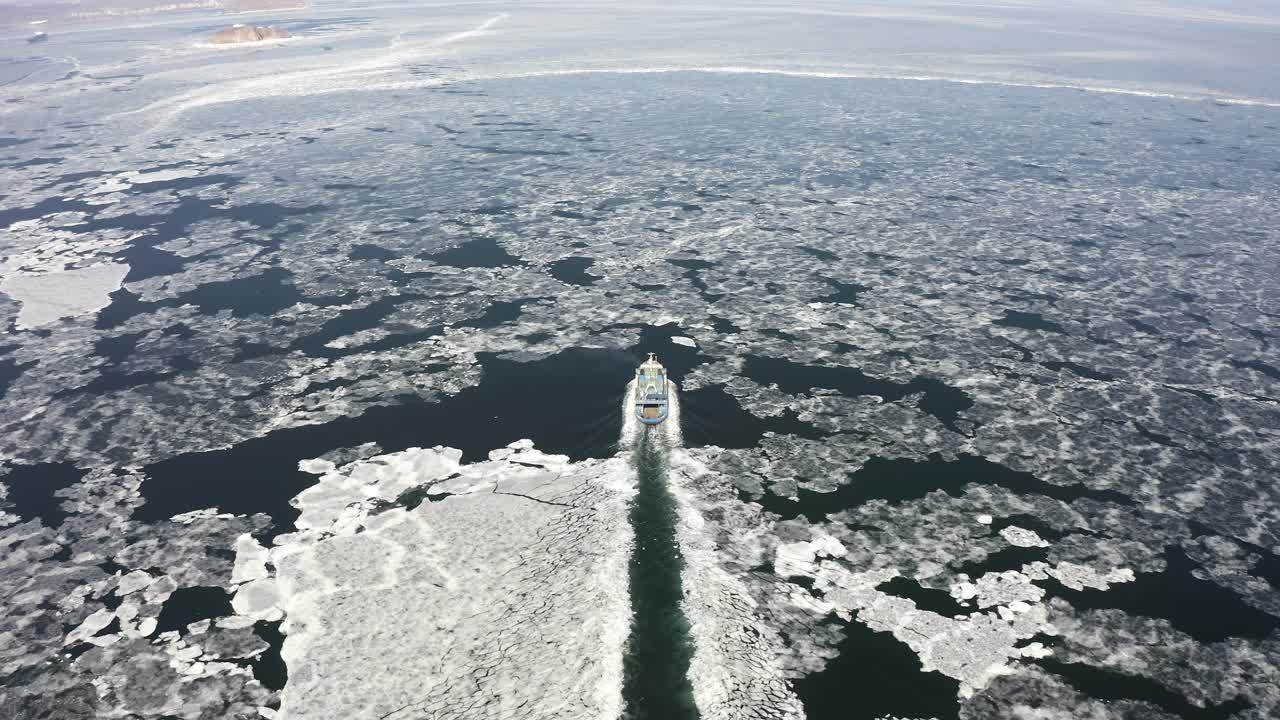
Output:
(656, 664)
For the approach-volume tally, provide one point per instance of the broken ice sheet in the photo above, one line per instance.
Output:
(52, 296)
(508, 588)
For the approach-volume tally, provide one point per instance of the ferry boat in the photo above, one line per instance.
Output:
(651, 391)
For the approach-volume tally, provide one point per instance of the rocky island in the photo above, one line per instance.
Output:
(248, 33)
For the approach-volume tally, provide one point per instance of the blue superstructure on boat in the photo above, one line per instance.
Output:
(651, 391)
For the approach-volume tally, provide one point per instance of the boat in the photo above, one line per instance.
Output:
(651, 391)
(39, 37)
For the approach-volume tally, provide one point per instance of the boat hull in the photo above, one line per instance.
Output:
(651, 391)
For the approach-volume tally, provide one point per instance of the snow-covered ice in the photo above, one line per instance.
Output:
(500, 588)
(48, 297)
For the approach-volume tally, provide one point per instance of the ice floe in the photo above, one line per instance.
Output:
(1021, 537)
(973, 649)
(49, 297)
(417, 583)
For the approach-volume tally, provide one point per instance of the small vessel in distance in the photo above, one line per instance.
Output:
(651, 391)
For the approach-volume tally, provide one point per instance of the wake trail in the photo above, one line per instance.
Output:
(630, 423)
(656, 682)
(732, 669)
(675, 437)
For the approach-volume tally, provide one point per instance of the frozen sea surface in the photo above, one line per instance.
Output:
(419, 587)
(973, 311)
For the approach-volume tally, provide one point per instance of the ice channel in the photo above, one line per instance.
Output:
(659, 650)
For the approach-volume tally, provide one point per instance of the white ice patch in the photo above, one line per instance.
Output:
(1006, 588)
(963, 590)
(973, 649)
(49, 297)
(364, 337)
(259, 599)
(317, 466)
(133, 582)
(194, 516)
(111, 185)
(798, 558)
(686, 341)
(382, 478)
(127, 180)
(251, 560)
(166, 175)
(90, 626)
(160, 589)
(1022, 537)
(1079, 577)
(510, 593)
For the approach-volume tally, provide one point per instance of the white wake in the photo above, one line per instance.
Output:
(734, 671)
(631, 426)
(675, 437)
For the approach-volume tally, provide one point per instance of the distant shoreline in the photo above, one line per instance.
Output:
(15, 16)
